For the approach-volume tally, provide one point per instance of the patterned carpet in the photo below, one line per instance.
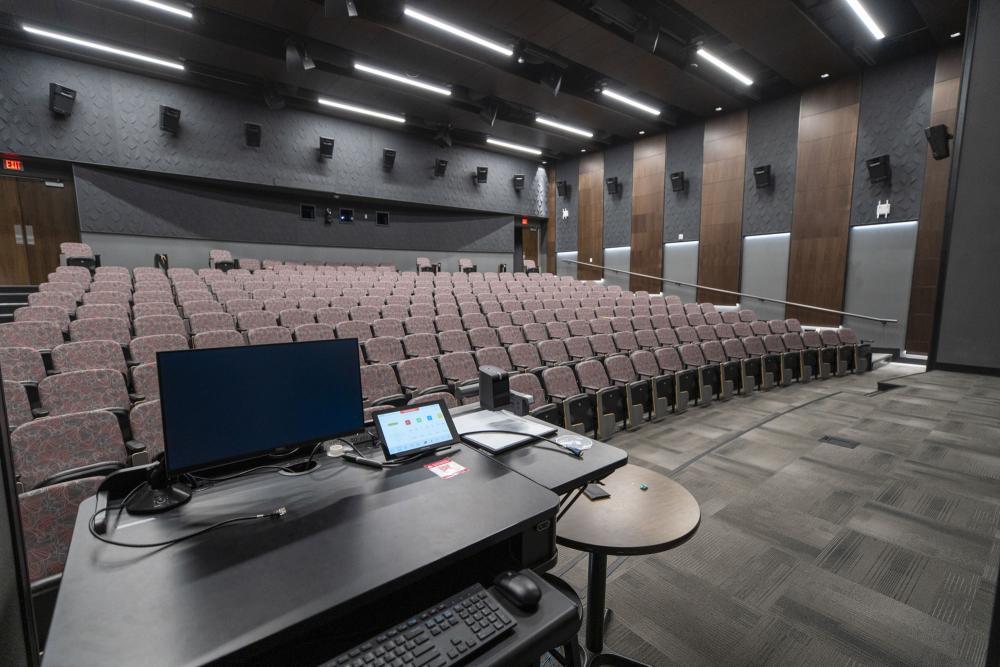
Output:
(880, 550)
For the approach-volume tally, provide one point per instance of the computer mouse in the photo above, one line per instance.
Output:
(519, 589)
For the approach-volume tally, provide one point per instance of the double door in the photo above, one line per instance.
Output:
(35, 217)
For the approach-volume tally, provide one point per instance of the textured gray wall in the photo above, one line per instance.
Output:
(127, 203)
(970, 317)
(879, 268)
(617, 258)
(115, 123)
(682, 210)
(567, 230)
(765, 273)
(680, 262)
(895, 109)
(566, 268)
(772, 138)
(618, 208)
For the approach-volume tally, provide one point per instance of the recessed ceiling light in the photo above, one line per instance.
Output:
(866, 18)
(513, 147)
(629, 101)
(163, 6)
(725, 67)
(718, 108)
(564, 127)
(641, 132)
(353, 108)
(399, 78)
(105, 48)
(458, 32)
(824, 75)
(955, 34)
(583, 150)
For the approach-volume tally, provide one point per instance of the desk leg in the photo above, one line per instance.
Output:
(598, 616)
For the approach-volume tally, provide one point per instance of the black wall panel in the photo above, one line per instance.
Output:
(772, 138)
(682, 210)
(567, 230)
(618, 208)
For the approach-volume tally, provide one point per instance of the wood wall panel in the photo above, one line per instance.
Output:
(927, 259)
(649, 161)
(590, 240)
(550, 225)
(13, 254)
(721, 236)
(817, 262)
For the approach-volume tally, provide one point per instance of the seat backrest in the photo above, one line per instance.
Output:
(510, 335)
(678, 320)
(145, 380)
(454, 341)
(601, 325)
(57, 314)
(388, 327)
(481, 337)
(668, 359)
(18, 406)
(352, 329)
(21, 364)
(747, 315)
(419, 373)
(759, 328)
(305, 332)
(48, 516)
(724, 331)
(734, 349)
(458, 366)
(829, 337)
(226, 338)
(365, 313)
(147, 426)
(89, 354)
(713, 318)
(560, 382)
(143, 349)
(100, 328)
(498, 319)
(494, 356)
(525, 355)
(692, 355)
(419, 324)
(70, 249)
(774, 343)
(742, 329)
(696, 319)
(792, 341)
(269, 335)
(448, 323)
(378, 381)
(602, 344)
(848, 336)
(558, 330)
(686, 334)
(579, 328)
(203, 306)
(640, 322)
(754, 346)
(777, 326)
(78, 391)
(255, 319)
(619, 368)
(793, 324)
(522, 317)
(713, 351)
(421, 345)
(314, 303)
(535, 331)
(63, 300)
(592, 375)
(332, 316)
(43, 447)
(730, 316)
(644, 363)
(384, 350)
(706, 332)
(151, 325)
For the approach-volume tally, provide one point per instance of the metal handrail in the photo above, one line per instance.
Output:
(883, 320)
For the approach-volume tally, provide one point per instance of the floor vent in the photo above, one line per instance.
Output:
(840, 442)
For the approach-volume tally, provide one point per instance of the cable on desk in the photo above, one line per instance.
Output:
(286, 469)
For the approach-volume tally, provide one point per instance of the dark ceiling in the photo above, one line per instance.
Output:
(240, 46)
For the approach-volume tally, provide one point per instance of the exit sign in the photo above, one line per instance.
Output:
(13, 164)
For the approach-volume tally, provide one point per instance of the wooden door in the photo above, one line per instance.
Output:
(13, 251)
(50, 218)
(529, 243)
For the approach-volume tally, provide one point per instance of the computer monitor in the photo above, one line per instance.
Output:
(415, 429)
(225, 404)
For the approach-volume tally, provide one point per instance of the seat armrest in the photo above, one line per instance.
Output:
(465, 390)
(93, 470)
(137, 397)
(394, 399)
(39, 412)
(431, 390)
(527, 398)
(133, 446)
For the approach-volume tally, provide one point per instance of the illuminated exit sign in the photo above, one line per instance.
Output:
(13, 164)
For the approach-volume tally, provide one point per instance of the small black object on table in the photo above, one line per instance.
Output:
(633, 521)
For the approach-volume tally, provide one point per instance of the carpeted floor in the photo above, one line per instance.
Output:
(883, 551)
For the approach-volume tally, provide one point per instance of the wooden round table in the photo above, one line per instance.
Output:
(631, 522)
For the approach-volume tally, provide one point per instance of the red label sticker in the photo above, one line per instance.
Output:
(446, 468)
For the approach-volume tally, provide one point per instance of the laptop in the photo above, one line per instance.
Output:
(522, 431)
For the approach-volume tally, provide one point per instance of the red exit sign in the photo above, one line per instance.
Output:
(13, 164)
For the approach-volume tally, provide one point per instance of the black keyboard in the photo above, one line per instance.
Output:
(450, 633)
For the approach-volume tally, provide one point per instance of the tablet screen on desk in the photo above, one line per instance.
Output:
(414, 429)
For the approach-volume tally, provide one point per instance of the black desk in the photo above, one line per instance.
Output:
(352, 536)
(557, 470)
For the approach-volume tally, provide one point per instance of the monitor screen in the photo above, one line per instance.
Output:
(230, 403)
(415, 428)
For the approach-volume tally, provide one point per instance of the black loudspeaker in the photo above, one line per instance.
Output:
(170, 119)
(252, 132)
(518, 181)
(481, 174)
(762, 177)
(677, 181)
(382, 218)
(562, 188)
(440, 166)
(388, 158)
(937, 137)
(326, 147)
(612, 184)
(879, 170)
(61, 99)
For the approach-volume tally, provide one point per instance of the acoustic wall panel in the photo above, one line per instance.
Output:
(567, 226)
(618, 207)
(772, 133)
(722, 207)
(552, 225)
(590, 242)
(680, 263)
(682, 210)
(647, 212)
(828, 126)
(765, 273)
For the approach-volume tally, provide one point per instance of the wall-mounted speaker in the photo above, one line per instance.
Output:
(518, 181)
(677, 181)
(482, 173)
(440, 166)
(61, 99)
(382, 218)
(252, 133)
(937, 137)
(562, 188)
(879, 170)
(170, 119)
(762, 177)
(388, 159)
(326, 148)
(347, 216)
(613, 185)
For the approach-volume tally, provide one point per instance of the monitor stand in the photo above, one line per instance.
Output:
(152, 499)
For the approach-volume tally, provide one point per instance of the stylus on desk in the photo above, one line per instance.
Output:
(361, 460)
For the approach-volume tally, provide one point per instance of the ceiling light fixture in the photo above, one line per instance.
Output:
(399, 78)
(718, 108)
(164, 7)
(725, 67)
(565, 128)
(866, 18)
(583, 150)
(955, 35)
(343, 106)
(629, 101)
(513, 147)
(458, 32)
(641, 132)
(105, 48)
(824, 75)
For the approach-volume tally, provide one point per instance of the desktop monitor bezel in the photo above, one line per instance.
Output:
(389, 456)
(174, 473)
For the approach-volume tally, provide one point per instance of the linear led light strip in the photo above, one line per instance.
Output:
(513, 147)
(564, 127)
(629, 101)
(725, 67)
(162, 6)
(458, 32)
(343, 106)
(105, 48)
(866, 18)
(399, 78)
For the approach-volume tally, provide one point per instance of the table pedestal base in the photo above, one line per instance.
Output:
(598, 617)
